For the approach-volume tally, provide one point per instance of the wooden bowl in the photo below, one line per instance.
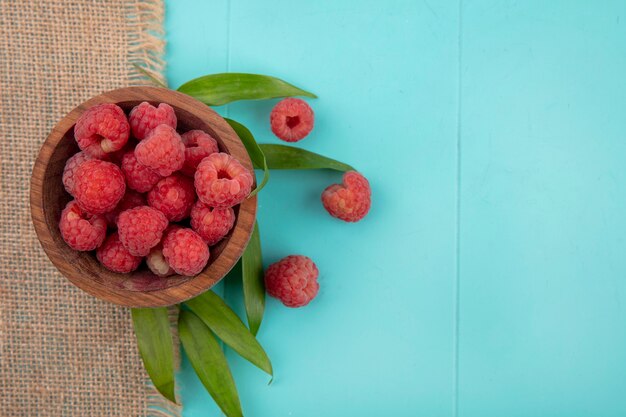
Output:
(141, 288)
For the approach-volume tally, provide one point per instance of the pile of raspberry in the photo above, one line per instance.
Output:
(143, 191)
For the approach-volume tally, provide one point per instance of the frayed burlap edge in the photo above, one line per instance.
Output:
(146, 43)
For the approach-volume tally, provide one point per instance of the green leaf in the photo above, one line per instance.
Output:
(151, 76)
(228, 326)
(154, 339)
(219, 89)
(255, 152)
(288, 157)
(209, 362)
(253, 285)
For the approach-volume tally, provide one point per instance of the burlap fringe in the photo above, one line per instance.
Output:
(145, 40)
(145, 49)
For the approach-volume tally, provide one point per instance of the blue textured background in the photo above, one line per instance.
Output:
(489, 278)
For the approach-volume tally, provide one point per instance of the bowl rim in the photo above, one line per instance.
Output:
(225, 261)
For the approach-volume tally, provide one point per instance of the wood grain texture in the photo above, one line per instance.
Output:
(141, 288)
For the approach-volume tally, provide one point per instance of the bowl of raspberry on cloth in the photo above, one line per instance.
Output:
(141, 197)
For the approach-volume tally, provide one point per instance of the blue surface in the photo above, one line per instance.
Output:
(489, 277)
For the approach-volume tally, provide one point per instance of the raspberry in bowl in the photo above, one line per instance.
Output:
(141, 198)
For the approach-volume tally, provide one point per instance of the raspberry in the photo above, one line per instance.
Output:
(102, 129)
(145, 117)
(141, 229)
(185, 251)
(98, 186)
(130, 200)
(70, 168)
(291, 119)
(198, 145)
(212, 224)
(350, 201)
(138, 177)
(221, 181)
(80, 230)
(293, 280)
(162, 151)
(157, 263)
(116, 157)
(171, 228)
(173, 196)
(115, 257)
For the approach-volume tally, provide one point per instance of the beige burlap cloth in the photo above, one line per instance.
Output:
(62, 352)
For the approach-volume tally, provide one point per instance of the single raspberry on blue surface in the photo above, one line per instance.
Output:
(293, 280)
(349, 201)
(292, 119)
